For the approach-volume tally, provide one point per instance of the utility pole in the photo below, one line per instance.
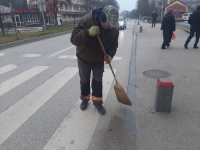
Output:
(161, 18)
(13, 19)
(42, 8)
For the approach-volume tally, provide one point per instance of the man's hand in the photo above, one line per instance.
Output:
(94, 31)
(107, 59)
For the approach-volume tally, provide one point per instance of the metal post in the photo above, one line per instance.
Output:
(44, 22)
(42, 9)
(74, 21)
(12, 14)
(161, 18)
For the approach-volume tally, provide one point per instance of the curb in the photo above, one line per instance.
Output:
(186, 30)
(130, 114)
(21, 42)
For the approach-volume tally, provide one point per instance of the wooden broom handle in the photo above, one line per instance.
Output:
(104, 51)
(106, 55)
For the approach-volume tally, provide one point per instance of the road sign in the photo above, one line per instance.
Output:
(42, 8)
(42, 5)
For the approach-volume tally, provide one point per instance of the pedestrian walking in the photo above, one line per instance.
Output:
(168, 27)
(194, 21)
(102, 22)
(61, 21)
(177, 12)
(154, 17)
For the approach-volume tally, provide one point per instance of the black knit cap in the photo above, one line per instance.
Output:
(103, 17)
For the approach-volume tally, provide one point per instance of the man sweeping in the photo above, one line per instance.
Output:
(102, 22)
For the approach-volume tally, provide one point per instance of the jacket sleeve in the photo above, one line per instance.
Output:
(190, 20)
(80, 35)
(162, 25)
(112, 50)
(173, 23)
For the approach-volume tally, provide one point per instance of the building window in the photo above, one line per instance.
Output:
(61, 6)
(66, 7)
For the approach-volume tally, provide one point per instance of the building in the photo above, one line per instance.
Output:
(178, 7)
(22, 15)
(17, 4)
(191, 3)
(68, 11)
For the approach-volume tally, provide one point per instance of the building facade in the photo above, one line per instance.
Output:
(191, 3)
(22, 15)
(68, 11)
(178, 7)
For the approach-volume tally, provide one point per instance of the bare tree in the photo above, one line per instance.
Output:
(143, 7)
(113, 3)
(152, 6)
(54, 5)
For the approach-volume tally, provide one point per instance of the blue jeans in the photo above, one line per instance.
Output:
(191, 36)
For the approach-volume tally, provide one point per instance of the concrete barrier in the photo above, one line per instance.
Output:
(164, 93)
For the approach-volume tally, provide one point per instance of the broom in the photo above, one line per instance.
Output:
(119, 91)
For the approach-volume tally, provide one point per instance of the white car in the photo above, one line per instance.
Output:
(122, 23)
(186, 16)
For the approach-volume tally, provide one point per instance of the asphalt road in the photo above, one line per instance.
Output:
(39, 98)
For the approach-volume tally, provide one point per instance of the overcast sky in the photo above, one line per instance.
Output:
(127, 4)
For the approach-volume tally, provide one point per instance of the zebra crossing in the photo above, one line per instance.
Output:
(12, 118)
(62, 56)
(2, 54)
(7, 68)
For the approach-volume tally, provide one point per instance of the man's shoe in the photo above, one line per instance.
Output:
(163, 47)
(83, 105)
(195, 47)
(186, 47)
(99, 107)
(168, 45)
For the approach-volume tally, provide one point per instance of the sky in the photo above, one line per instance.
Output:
(127, 4)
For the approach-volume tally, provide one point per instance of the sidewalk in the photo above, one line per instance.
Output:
(180, 129)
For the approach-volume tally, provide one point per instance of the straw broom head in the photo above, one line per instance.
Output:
(121, 95)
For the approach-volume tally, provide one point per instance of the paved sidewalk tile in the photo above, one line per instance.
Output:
(180, 129)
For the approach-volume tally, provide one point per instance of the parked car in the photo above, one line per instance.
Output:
(186, 16)
(122, 23)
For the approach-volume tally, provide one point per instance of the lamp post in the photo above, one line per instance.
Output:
(12, 14)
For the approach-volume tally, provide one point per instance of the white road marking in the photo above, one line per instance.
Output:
(31, 55)
(19, 79)
(61, 51)
(74, 57)
(76, 130)
(16, 115)
(7, 68)
(2, 54)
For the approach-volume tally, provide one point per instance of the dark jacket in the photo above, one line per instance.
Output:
(194, 21)
(88, 48)
(168, 23)
(154, 16)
